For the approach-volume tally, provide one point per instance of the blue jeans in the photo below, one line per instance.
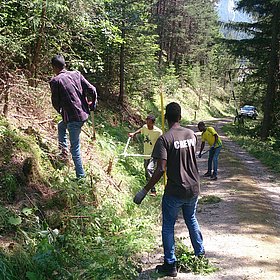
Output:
(74, 129)
(213, 157)
(170, 208)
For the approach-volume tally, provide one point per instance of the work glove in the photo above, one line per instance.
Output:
(140, 196)
(212, 147)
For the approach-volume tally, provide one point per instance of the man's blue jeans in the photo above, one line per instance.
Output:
(170, 208)
(213, 157)
(74, 129)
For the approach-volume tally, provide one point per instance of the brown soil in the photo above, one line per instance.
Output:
(241, 233)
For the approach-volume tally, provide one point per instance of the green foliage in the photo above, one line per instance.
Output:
(14, 147)
(170, 81)
(248, 137)
(5, 214)
(186, 30)
(103, 243)
(188, 262)
(91, 39)
(21, 264)
(12, 140)
(261, 49)
(209, 199)
(100, 228)
(9, 183)
(15, 221)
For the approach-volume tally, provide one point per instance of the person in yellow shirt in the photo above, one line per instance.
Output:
(151, 133)
(210, 135)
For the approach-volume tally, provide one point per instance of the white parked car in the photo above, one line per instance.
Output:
(249, 111)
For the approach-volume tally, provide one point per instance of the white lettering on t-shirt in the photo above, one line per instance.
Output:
(184, 144)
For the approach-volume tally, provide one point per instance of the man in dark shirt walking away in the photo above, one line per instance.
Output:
(175, 151)
(69, 97)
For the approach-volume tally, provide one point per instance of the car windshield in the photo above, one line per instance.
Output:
(248, 108)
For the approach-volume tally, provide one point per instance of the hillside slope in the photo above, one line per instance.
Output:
(53, 227)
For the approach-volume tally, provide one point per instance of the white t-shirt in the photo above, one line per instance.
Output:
(150, 138)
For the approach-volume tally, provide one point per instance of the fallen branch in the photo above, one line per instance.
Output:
(23, 117)
(77, 217)
(45, 121)
(87, 134)
(35, 207)
(114, 184)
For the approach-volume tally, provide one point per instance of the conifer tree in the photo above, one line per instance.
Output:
(262, 48)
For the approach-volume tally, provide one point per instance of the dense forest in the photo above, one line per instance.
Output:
(122, 45)
(261, 48)
(130, 50)
(129, 47)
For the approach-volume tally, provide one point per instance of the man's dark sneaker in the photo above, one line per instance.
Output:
(207, 174)
(214, 177)
(201, 255)
(167, 269)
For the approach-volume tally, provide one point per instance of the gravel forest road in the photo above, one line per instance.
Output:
(242, 232)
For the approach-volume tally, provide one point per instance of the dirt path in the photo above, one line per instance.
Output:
(242, 232)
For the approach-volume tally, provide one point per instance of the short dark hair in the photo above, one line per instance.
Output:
(173, 112)
(201, 124)
(151, 117)
(58, 61)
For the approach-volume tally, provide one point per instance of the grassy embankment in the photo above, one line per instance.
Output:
(247, 136)
(53, 227)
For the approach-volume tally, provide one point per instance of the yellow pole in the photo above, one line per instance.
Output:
(162, 125)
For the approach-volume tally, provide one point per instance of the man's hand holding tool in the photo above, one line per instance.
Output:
(140, 196)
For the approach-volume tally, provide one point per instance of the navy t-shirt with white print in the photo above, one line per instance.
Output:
(178, 146)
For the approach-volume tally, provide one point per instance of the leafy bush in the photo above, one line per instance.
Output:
(188, 262)
(209, 199)
(267, 152)
(9, 184)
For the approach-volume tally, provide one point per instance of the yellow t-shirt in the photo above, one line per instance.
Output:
(208, 136)
(150, 138)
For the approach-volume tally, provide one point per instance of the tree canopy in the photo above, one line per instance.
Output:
(116, 42)
(261, 48)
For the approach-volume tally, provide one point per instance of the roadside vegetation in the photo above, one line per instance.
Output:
(57, 227)
(247, 136)
(61, 229)
(54, 227)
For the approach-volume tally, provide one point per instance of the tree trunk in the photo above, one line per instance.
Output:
(7, 85)
(210, 88)
(160, 12)
(272, 75)
(233, 94)
(6, 102)
(38, 46)
(122, 80)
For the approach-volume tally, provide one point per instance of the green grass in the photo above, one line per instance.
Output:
(104, 243)
(268, 152)
(209, 199)
(100, 229)
(188, 262)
